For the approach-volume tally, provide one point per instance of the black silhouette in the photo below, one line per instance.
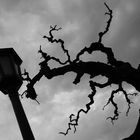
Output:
(115, 70)
(30, 92)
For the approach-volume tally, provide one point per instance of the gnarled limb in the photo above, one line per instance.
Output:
(101, 34)
(98, 46)
(48, 57)
(111, 100)
(116, 72)
(52, 40)
(74, 122)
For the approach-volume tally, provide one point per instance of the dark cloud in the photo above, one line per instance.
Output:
(22, 24)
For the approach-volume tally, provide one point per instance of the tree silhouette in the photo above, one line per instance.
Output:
(114, 70)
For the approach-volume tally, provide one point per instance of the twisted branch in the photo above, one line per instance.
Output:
(48, 57)
(101, 34)
(98, 46)
(116, 72)
(52, 40)
(111, 100)
(74, 122)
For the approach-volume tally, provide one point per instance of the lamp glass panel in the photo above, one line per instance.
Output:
(6, 65)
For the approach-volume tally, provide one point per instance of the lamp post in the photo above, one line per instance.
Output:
(10, 82)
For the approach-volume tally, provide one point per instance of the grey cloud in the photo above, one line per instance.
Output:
(22, 6)
(90, 19)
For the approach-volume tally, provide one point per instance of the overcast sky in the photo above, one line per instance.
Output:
(22, 25)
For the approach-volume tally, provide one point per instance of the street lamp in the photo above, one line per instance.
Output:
(10, 82)
(10, 74)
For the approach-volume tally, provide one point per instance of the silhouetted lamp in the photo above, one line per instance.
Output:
(10, 74)
(10, 82)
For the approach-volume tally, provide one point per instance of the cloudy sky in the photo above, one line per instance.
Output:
(22, 25)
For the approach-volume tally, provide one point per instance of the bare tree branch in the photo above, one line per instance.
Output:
(48, 57)
(52, 40)
(74, 122)
(116, 71)
(96, 46)
(101, 34)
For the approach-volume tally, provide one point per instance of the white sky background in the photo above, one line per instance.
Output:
(22, 25)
